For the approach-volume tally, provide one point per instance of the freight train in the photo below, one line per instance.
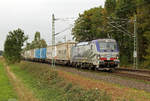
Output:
(100, 54)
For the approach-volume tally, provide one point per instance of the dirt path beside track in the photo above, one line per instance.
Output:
(24, 94)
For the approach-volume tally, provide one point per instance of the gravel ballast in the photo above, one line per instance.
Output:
(108, 77)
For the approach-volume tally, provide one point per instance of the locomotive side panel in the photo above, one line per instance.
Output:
(83, 53)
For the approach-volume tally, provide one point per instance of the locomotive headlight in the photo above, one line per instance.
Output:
(98, 56)
(117, 56)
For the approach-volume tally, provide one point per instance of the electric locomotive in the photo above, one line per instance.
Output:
(101, 54)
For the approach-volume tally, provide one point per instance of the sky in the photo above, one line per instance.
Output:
(36, 15)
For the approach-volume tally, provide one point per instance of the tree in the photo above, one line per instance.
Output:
(110, 6)
(37, 42)
(123, 13)
(95, 23)
(147, 56)
(43, 43)
(13, 45)
(125, 8)
(37, 36)
(143, 20)
(89, 25)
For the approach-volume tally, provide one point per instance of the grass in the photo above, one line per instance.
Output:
(117, 91)
(6, 89)
(47, 85)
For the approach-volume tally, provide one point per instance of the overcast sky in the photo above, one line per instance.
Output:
(35, 15)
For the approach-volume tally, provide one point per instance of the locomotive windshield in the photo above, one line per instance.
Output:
(108, 46)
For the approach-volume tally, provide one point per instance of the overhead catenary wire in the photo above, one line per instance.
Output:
(65, 19)
(64, 30)
(135, 36)
(53, 35)
(119, 27)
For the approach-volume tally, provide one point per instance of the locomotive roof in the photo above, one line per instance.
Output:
(100, 40)
(105, 40)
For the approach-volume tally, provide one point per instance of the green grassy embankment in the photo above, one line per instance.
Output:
(56, 85)
(6, 88)
(47, 85)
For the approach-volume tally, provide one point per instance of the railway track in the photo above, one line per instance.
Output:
(133, 80)
(138, 74)
(134, 70)
(133, 73)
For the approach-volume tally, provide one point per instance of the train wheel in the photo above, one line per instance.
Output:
(112, 70)
(96, 69)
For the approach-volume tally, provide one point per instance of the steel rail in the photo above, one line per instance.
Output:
(134, 70)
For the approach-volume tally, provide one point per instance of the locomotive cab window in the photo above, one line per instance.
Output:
(108, 46)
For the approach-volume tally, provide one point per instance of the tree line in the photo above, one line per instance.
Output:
(101, 22)
(36, 43)
(13, 46)
(94, 24)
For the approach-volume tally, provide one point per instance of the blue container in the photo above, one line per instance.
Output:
(37, 53)
(43, 53)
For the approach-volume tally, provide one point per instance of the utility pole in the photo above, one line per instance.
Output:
(53, 40)
(135, 37)
(53, 37)
(135, 53)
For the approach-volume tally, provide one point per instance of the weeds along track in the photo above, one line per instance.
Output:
(133, 73)
(138, 74)
(131, 81)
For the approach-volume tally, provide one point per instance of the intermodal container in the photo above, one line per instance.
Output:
(37, 53)
(43, 53)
